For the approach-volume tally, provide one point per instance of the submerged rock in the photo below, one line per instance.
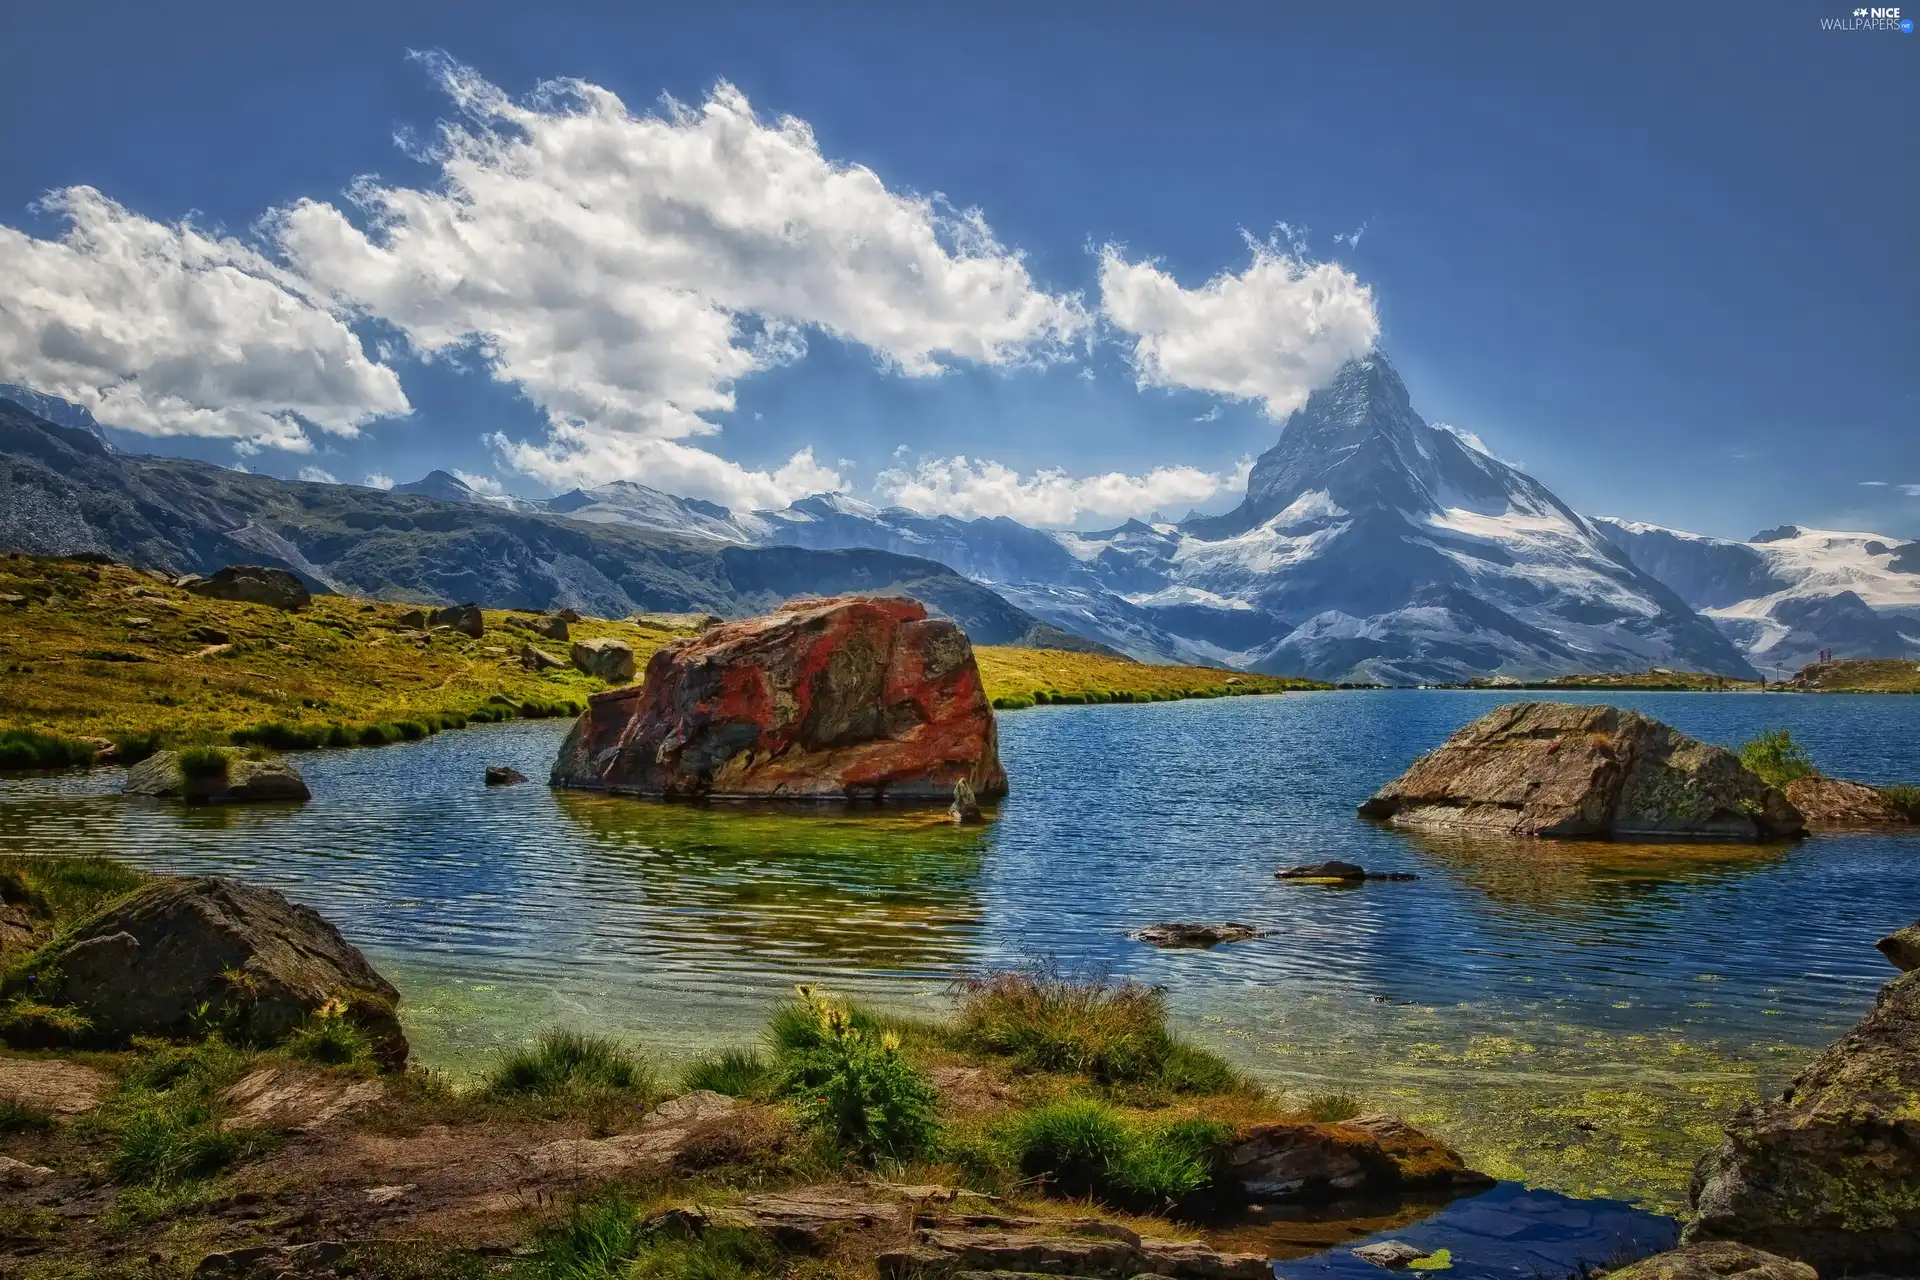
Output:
(855, 698)
(1391, 1254)
(609, 660)
(1831, 804)
(1714, 1260)
(1187, 934)
(181, 955)
(252, 584)
(1373, 1153)
(966, 806)
(1558, 770)
(1902, 947)
(1829, 1172)
(502, 775)
(1343, 872)
(243, 781)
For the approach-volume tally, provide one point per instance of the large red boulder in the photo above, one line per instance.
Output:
(855, 698)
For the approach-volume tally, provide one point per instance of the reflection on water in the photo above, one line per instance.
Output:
(1579, 1016)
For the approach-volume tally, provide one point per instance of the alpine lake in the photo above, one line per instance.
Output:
(1578, 1019)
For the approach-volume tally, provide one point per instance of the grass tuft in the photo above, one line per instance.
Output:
(1777, 758)
(205, 762)
(1329, 1108)
(1084, 1147)
(31, 749)
(738, 1073)
(570, 1062)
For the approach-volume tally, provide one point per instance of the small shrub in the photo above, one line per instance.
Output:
(851, 1081)
(1328, 1108)
(132, 748)
(205, 762)
(410, 730)
(31, 749)
(378, 735)
(562, 1062)
(1777, 758)
(340, 735)
(328, 1037)
(738, 1073)
(1082, 1147)
(1905, 798)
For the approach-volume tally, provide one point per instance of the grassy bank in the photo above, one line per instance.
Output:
(1859, 675)
(106, 654)
(1656, 680)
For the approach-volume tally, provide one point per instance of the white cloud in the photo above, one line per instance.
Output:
(378, 480)
(1873, 484)
(960, 486)
(316, 475)
(1211, 415)
(1350, 238)
(487, 485)
(1272, 333)
(625, 270)
(170, 331)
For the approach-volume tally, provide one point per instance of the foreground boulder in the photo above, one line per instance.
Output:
(1832, 804)
(183, 955)
(609, 660)
(1829, 1172)
(1714, 1260)
(1366, 1155)
(1594, 772)
(252, 584)
(242, 781)
(464, 618)
(856, 698)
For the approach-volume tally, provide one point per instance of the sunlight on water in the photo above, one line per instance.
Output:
(1581, 1017)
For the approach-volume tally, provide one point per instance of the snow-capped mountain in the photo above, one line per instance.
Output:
(1788, 593)
(1370, 547)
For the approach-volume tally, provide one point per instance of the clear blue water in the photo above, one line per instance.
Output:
(1578, 1017)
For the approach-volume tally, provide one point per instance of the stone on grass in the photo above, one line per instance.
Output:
(243, 781)
(604, 659)
(1595, 772)
(182, 954)
(855, 698)
(547, 628)
(252, 584)
(538, 659)
(464, 618)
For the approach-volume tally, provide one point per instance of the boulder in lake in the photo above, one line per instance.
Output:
(1188, 934)
(966, 806)
(1831, 804)
(182, 954)
(503, 775)
(252, 584)
(1334, 871)
(1366, 1155)
(242, 781)
(609, 660)
(855, 698)
(1595, 772)
(464, 618)
(1902, 947)
(1714, 1260)
(1829, 1172)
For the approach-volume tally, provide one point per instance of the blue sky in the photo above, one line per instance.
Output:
(1664, 262)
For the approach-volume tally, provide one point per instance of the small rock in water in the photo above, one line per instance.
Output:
(1392, 1254)
(1333, 869)
(501, 775)
(1902, 948)
(1182, 934)
(966, 806)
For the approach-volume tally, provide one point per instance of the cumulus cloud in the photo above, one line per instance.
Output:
(487, 485)
(1272, 333)
(317, 475)
(961, 486)
(166, 330)
(624, 270)
(378, 480)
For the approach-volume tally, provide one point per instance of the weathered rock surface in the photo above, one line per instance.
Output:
(1391, 1254)
(1110, 1250)
(679, 621)
(253, 584)
(502, 775)
(609, 660)
(1902, 947)
(538, 659)
(1189, 934)
(172, 955)
(244, 782)
(1554, 769)
(806, 1219)
(48, 1084)
(1829, 1172)
(550, 628)
(464, 618)
(857, 698)
(1831, 804)
(966, 806)
(18, 1173)
(666, 1137)
(1714, 1260)
(1372, 1153)
(282, 1098)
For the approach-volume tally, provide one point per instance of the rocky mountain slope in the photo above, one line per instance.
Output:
(63, 492)
(1788, 593)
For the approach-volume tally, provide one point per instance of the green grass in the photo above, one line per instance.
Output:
(1905, 798)
(1084, 1147)
(1019, 678)
(605, 1239)
(327, 1037)
(562, 1062)
(738, 1073)
(1777, 758)
(31, 749)
(1114, 1033)
(850, 1081)
(205, 761)
(163, 1121)
(1329, 1108)
(68, 888)
(21, 1117)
